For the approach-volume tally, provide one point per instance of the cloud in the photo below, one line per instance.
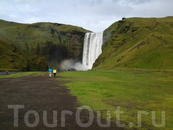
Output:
(94, 15)
(25, 1)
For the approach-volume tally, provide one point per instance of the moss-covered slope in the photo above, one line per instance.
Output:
(13, 59)
(52, 41)
(145, 43)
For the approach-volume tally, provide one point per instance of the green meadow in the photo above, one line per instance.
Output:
(22, 74)
(144, 101)
(149, 94)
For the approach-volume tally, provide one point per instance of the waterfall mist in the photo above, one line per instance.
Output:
(70, 63)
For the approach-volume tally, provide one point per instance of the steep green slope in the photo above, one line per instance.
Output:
(53, 41)
(13, 59)
(145, 43)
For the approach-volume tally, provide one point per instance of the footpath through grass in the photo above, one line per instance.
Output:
(146, 101)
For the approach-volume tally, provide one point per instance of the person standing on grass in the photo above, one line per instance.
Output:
(50, 72)
(54, 72)
(6, 71)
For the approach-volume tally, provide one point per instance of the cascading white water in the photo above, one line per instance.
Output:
(92, 48)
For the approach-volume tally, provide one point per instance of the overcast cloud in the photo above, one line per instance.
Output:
(94, 15)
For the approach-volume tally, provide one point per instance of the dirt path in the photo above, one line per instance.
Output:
(33, 95)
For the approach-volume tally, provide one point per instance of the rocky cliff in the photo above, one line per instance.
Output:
(41, 42)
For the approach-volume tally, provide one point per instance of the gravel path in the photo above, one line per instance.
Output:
(24, 100)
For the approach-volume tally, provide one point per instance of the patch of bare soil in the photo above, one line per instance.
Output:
(27, 98)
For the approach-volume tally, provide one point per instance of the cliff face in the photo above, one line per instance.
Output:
(11, 58)
(51, 42)
(145, 43)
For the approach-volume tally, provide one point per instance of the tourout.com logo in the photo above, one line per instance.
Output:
(117, 113)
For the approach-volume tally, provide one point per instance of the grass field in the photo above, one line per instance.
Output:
(151, 95)
(22, 74)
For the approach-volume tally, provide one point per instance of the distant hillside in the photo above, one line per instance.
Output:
(145, 43)
(50, 41)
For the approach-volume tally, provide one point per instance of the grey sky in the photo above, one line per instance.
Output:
(94, 15)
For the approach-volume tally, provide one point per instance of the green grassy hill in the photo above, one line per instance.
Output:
(141, 43)
(12, 59)
(50, 41)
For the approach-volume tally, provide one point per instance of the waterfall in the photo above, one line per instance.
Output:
(92, 48)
